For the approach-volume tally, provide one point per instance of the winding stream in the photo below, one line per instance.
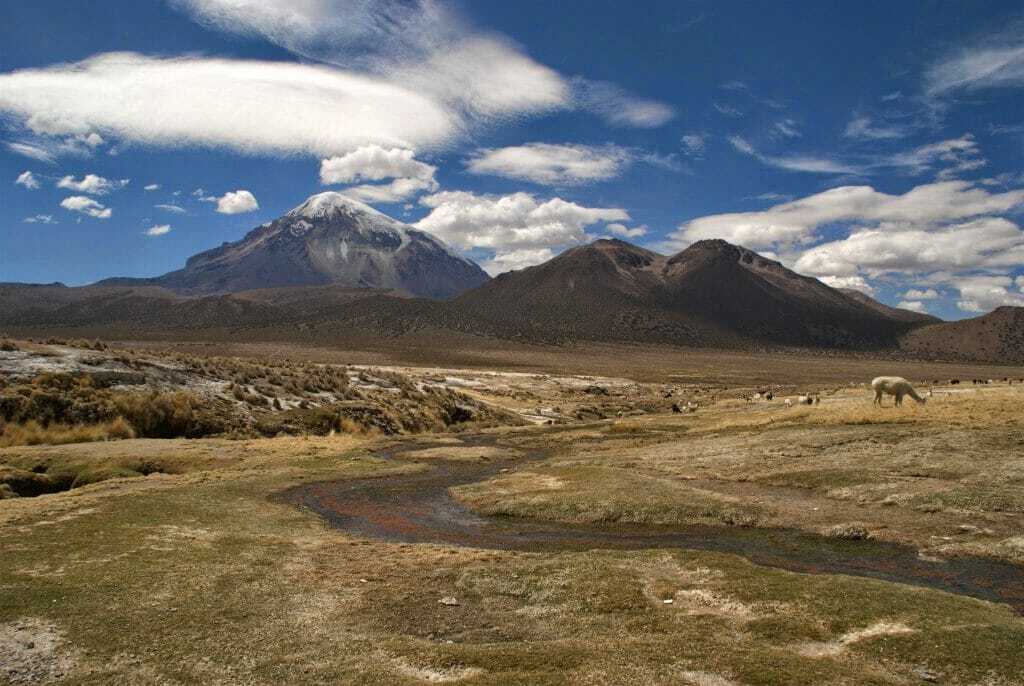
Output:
(417, 508)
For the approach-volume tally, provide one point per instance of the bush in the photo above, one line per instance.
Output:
(8, 346)
(166, 415)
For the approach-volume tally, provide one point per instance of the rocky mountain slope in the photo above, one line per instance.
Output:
(711, 293)
(994, 337)
(328, 239)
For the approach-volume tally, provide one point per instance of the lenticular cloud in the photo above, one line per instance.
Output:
(250, 106)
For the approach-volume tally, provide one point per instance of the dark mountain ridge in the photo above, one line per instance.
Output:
(305, 278)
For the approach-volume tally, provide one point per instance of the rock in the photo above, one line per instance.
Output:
(449, 601)
(925, 674)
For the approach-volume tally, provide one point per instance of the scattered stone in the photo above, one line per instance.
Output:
(449, 601)
(925, 674)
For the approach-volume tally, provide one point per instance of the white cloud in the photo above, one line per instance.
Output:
(245, 105)
(857, 283)
(619, 107)
(28, 180)
(514, 227)
(428, 47)
(979, 67)
(921, 294)
(546, 163)
(912, 305)
(770, 197)
(625, 231)
(151, 187)
(34, 151)
(40, 219)
(694, 144)
(420, 45)
(176, 209)
(86, 205)
(516, 259)
(954, 156)
(980, 293)
(1020, 282)
(669, 162)
(237, 202)
(989, 242)
(798, 163)
(374, 163)
(727, 110)
(397, 73)
(735, 85)
(787, 128)
(797, 222)
(91, 184)
(484, 78)
(158, 230)
(47, 148)
(396, 191)
(861, 126)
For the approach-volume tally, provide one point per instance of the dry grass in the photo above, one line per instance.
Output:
(198, 575)
(33, 433)
(219, 584)
(947, 477)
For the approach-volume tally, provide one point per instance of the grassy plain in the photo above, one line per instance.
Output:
(190, 569)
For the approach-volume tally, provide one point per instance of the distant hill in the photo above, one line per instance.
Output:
(328, 239)
(711, 293)
(994, 337)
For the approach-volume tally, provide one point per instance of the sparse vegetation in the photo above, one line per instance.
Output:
(191, 397)
(174, 532)
(33, 433)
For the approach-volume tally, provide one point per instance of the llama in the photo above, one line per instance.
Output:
(896, 386)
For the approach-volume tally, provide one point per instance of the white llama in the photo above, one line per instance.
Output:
(895, 386)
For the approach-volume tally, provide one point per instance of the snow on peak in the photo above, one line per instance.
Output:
(330, 203)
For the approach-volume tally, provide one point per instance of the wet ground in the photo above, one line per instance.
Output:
(417, 508)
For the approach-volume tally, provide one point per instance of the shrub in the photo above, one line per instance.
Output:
(8, 346)
(166, 415)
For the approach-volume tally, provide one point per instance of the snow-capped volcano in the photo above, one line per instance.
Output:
(330, 238)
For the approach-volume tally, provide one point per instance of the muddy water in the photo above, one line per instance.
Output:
(417, 508)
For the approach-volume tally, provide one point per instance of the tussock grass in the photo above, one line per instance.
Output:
(34, 433)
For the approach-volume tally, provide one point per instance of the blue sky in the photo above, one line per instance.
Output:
(873, 145)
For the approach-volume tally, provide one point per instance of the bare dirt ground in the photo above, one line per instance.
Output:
(207, 572)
